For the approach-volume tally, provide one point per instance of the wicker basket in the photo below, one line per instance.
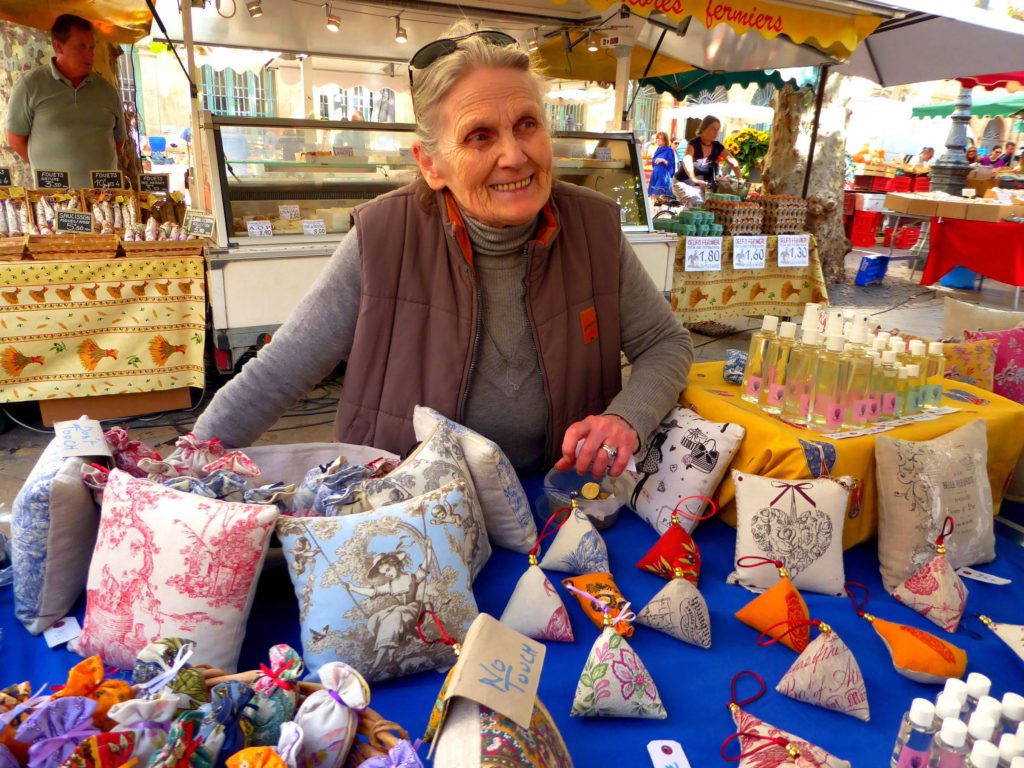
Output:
(185, 249)
(81, 246)
(374, 737)
(12, 248)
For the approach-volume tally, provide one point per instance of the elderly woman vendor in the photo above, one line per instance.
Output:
(485, 289)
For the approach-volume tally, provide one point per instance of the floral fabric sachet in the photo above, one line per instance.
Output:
(604, 594)
(106, 750)
(535, 608)
(163, 666)
(87, 679)
(224, 728)
(674, 551)
(735, 365)
(256, 757)
(329, 718)
(55, 729)
(148, 720)
(936, 590)
(184, 747)
(275, 688)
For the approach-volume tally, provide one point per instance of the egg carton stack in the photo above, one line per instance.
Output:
(783, 214)
(735, 217)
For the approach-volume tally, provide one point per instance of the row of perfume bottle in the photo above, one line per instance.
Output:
(844, 378)
(964, 728)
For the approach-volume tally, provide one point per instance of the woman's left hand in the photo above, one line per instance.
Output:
(598, 431)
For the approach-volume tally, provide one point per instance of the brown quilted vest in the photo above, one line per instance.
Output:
(416, 337)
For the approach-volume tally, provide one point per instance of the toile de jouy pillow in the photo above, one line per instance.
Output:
(796, 522)
(171, 563)
(505, 506)
(920, 483)
(362, 581)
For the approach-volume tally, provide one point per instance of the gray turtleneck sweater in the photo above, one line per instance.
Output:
(506, 398)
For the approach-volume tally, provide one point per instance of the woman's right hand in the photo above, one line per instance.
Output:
(700, 182)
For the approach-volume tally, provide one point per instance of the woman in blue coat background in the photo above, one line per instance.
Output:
(663, 166)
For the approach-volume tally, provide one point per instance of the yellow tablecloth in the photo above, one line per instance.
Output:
(702, 296)
(107, 327)
(776, 449)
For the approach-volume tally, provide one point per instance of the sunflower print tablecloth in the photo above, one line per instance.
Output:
(105, 327)
(702, 296)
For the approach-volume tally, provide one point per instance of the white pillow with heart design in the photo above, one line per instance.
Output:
(797, 522)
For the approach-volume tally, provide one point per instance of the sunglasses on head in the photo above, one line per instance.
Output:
(446, 46)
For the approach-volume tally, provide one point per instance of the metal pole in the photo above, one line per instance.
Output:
(197, 189)
(949, 174)
(818, 98)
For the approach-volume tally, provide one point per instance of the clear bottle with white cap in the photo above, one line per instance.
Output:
(935, 375)
(913, 401)
(947, 704)
(879, 344)
(978, 685)
(989, 706)
(774, 368)
(752, 374)
(803, 369)
(902, 392)
(855, 378)
(949, 747)
(1010, 746)
(1013, 713)
(980, 727)
(958, 688)
(827, 412)
(812, 318)
(983, 755)
(918, 352)
(914, 739)
(886, 384)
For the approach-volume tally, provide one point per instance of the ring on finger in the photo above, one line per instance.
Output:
(611, 451)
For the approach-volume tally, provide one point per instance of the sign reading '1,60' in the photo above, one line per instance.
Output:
(703, 254)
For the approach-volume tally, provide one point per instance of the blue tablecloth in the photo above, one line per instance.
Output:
(694, 683)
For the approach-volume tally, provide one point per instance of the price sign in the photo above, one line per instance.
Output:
(344, 151)
(603, 153)
(314, 227)
(5, 177)
(74, 221)
(106, 179)
(53, 179)
(749, 252)
(154, 182)
(289, 212)
(260, 228)
(703, 254)
(198, 223)
(794, 250)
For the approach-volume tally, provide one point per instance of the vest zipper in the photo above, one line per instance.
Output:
(476, 348)
(536, 351)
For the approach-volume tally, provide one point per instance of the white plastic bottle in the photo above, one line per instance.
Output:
(879, 344)
(1010, 746)
(913, 403)
(855, 379)
(751, 388)
(775, 367)
(811, 317)
(914, 739)
(983, 755)
(977, 686)
(1013, 713)
(936, 373)
(827, 412)
(990, 706)
(980, 728)
(947, 705)
(958, 688)
(949, 747)
(803, 368)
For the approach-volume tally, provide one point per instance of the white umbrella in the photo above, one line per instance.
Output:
(578, 95)
(724, 110)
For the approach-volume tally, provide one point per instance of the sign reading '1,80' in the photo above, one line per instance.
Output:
(703, 254)
(749, 252)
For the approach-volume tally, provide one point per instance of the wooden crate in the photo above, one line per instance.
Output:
(64, 247)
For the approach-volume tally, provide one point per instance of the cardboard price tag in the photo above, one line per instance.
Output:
(986, 578)
(82, 437)
(794, 250)
(603, 153)
(64, 631)
(703, 254)
(260, 228)
(53, 179)
(667, 754)
(74, 221)
(154, 182)
(499, 668)
(106, 179)
(289, 212)
(198, 223)
(314, 227)
(5, 177)
(749, 252)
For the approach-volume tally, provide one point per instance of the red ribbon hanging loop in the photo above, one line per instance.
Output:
(947, 530)
(795, 488)
(859, 607)
(546, 533)
(792, 626)
(444, 638)
(680, 511)
(750, 700)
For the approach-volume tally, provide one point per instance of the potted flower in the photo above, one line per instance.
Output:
(749, 147)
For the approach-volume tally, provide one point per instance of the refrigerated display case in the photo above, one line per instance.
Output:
(283, 191)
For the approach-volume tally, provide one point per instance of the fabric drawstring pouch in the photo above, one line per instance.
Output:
(826, 674)
(329, 718)
(55, 729)
(107, 750)
(127, 452)
(7, 759)
(402, 755)
(87, 679)
(778, 607)
(604, 593)
(274, 703)
(290, 743)
(256, 757)
(764, 746)
(17, 702)
(676, 549)
(535, 608)
(233, 463)
(220, 484)
(936, 590)
(916, 654)
(184, 747)
(577, 547)
(735, 365)
(614, 681)
(278, 494)
(163, 666)
(189, 457)
(323, 482)
(148, 720)
(679, 610)
(225, 728)
(1011, 634)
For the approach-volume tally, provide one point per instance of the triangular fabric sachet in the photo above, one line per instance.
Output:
(916, 654)
(535, 609)
(679, 610)
(578, 547)
(1011, 634)
(675, 549)
(776, 608)
(936, 590)
(604, 593)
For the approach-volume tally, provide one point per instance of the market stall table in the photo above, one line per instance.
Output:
(775, 448)
(730, 292)
(993, 249)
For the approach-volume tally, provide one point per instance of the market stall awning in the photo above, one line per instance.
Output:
(1011, 81)
(685, 84)
(993, 106)
(117, 21)
(724, 111)
(578, 63)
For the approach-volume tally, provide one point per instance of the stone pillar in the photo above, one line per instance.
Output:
(949, 174)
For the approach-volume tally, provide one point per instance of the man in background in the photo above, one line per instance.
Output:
(62, 116)
(1007, 161)
(925, 158)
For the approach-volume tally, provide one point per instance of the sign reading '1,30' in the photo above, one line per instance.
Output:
(794, 250)
(703, 254)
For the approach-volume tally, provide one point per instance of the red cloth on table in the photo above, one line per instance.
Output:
(993, 249)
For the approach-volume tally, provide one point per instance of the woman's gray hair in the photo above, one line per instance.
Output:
(430, 85)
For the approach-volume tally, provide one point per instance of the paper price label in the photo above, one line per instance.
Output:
(703, 254)
(106, 179)
(198, 223)
(82, 437)
(985, 578)
(499, 668)
(794, 250)
(314, 227)
(260, 228)
(64, 631)
(154, 182)
(667, 754)
(603, 153)
(289, 212)
(5, 177)
(749, 252)
(344, 151)
(74, 221)
(53, 179)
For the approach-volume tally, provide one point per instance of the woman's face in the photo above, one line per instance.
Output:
(710, 133)
(661, 140)
(494, 153)
(388, 571)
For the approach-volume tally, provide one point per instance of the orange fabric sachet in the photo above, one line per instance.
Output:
(602, 587)
(676, 547)
(779, 607)
(87, 679)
